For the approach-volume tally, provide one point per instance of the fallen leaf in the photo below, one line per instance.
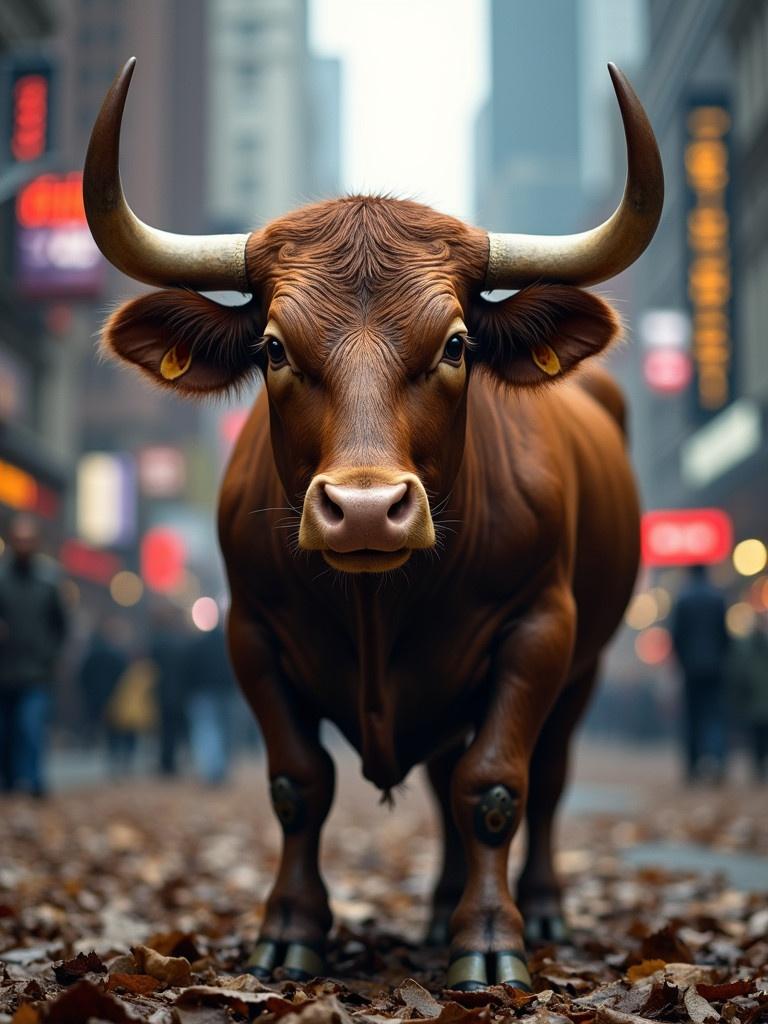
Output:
(698, 1008)
(727, 990)
(69, 971)
(84, 1000)
(416, 997)
(137, 984)
(666, 945)
(170, 970)
(644, 969)
(26, 1014)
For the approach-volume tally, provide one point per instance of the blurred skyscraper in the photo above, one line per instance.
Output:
(273, 112)
(229, 122)
(706, 89)
(543, 138)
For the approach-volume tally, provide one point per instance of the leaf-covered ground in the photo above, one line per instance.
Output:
(142, 902)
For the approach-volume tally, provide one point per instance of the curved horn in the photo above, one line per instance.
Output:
(205, 262)
(592, 256)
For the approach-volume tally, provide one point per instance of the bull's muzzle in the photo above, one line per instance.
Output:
(363, 522)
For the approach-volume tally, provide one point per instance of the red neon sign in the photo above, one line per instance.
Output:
(701, 536)
(29, 127)
(51, 200)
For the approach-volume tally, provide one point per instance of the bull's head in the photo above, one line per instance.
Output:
(367, 321)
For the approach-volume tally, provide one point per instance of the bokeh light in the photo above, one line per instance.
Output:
(205, 614)
(749, 557)
(653, 646)
(126, 588)
(642, 612)
(740, 619)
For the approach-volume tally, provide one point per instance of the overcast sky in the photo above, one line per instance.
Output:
(415, 73)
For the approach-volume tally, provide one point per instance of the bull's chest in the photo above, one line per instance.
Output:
(399, 681)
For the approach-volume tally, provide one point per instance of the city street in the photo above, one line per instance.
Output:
(659, 878)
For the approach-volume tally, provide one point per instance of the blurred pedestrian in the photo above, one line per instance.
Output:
(131, 713)
(701, 644)
(167, 649)
(749, 679)
(105, 662)
(32, 631)
(210, 686)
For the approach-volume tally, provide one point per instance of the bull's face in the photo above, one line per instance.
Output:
(366, 362)
(367, 322)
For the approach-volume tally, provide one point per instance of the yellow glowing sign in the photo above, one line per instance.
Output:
(707, 169)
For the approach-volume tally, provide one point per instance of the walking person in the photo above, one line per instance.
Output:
(101, 670)
(167, 647)
(210, 686)
(749, 681)
(32, 631)
(701, 641)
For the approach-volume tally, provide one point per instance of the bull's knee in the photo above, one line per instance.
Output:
(496, 816)
(289, 804)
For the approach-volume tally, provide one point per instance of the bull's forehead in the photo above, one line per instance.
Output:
(322, 318)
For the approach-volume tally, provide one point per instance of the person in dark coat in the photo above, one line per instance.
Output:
(32, 631)
(167, 648)
(701, 643)
(210, 686)
(104, 663)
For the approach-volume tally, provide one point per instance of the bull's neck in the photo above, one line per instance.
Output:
(375, 703)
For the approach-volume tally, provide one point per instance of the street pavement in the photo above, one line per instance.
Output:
(629, 783)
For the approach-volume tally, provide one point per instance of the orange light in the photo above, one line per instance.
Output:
(18, 489)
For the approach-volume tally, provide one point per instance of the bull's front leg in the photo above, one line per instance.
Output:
(297, 916)
(489, 790)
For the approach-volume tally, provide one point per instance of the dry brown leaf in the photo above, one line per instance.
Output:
(698, 1008)
(170, 970)
(84, 1000)
(26, 1014)
(137, 984)
(644, 969)
(416, 997)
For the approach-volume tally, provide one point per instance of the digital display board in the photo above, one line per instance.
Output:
(55, 253)
(709, 269)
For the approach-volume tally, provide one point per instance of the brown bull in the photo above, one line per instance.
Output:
(408, 427)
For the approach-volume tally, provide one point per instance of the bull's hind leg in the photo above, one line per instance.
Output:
(453, 874)
(490, 787)
(539, 894)
(297, 916)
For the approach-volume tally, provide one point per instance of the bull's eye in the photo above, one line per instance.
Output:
(276, 353)
(454, 349)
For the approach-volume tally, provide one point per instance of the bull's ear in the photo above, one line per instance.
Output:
(185, 341)
(540, 334)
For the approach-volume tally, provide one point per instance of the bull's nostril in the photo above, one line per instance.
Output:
(400, 510)
(332, 512)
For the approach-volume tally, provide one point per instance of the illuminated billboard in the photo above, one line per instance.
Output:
(55, 253)
(709, 269)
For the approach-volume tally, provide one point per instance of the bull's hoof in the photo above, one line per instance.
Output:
(542, 929)
(294, 960)
(470, 971)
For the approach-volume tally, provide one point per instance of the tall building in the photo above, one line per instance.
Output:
(706, 84)
(32, 478)
(258, 116)
(544, 137)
